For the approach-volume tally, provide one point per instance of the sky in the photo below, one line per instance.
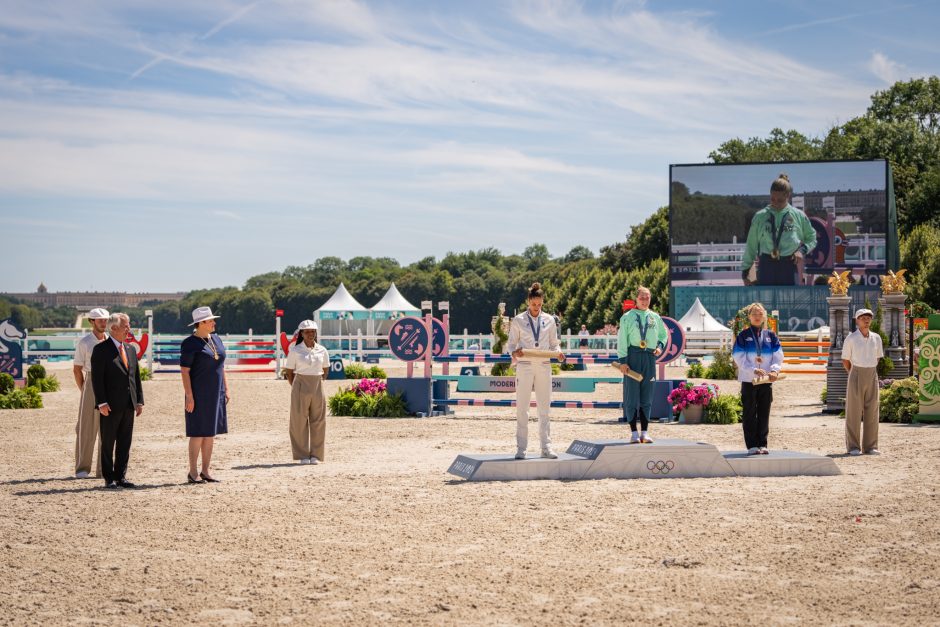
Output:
(755, 179)
(169, 145)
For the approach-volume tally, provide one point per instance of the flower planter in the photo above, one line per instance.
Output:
(692, 414)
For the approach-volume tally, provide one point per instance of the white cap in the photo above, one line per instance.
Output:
(863, 312)
(98, 314)
(201, 314)
(307, 324)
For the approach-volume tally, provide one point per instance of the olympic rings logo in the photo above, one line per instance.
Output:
(660, 467)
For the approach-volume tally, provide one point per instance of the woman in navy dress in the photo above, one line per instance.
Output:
(202, 365)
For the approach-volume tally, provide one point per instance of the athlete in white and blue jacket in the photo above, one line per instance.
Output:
(758, 354)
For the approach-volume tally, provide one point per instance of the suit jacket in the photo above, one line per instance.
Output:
(114, 384)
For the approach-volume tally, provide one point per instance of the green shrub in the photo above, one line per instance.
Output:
(391, 406)
(25, 398)
(7, 383)
(824, 394)
(568, 367)
(341, 403)
(356, 371)
(376, 373)
(502, 370)
(48, 384)
(884, 367)
(145, 374)
(899, 401)
(722, 366)
(365, 406)
(695, 371)
(724, 409)
(34, 373)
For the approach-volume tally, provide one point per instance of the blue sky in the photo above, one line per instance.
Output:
(170, 145)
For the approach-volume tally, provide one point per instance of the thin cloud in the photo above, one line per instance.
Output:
(835, 19)
(884, 68)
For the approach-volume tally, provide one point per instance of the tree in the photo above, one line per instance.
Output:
(578, 253)
(536, 256)
(780, 145)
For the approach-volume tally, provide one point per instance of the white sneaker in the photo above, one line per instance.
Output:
(855, 452)
(753, 451)
(81, 474)
(873, 451)
(548, 453)
(304, 461)
(635, 437)
(313, 460)
(764, 451)
(645, 438)
(520, 453)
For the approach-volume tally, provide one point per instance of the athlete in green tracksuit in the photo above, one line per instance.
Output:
(779, 238)
(642, 338)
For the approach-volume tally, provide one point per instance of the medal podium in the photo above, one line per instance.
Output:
(619, 459)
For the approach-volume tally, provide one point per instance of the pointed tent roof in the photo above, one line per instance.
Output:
(393, 301)
(342, 300)
(697, 318)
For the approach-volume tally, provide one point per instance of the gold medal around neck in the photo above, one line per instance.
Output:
(642, 343)
(775, 254)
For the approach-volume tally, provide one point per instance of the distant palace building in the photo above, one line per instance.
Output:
(87, 300)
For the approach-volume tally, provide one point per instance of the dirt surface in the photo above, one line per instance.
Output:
(380, 532)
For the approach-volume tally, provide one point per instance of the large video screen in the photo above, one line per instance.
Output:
(727, 230)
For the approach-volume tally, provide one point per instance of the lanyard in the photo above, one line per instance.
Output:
(777, 233)
(643, 327)
(535, 328)
(757, 339)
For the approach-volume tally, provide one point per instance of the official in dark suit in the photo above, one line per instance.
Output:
(115, 378)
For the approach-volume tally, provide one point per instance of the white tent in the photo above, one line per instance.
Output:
(697, 320)
(390, 307)
(342, 314)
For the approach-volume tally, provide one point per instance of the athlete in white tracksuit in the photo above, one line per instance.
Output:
(536, 329)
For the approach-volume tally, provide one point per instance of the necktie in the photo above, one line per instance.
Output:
(123, 355)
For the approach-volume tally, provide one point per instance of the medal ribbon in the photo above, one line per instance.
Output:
(536, 328)
(643, 327)
(776, 233)
(757, 339)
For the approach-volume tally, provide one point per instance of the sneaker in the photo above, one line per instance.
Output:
(645, 439)
(635, 437)
(753, 451)
(873, 451)
(548, 453)
(855, 452)
(313, 460)
(764, 451)
(305, 461)
(81, 474)
(520, 454)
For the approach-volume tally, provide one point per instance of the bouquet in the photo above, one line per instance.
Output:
(688, 394)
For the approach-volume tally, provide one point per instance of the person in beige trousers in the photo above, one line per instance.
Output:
(860, 354)
(86, 429)
(308, 364)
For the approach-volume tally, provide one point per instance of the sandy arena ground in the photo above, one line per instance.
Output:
(381, 533)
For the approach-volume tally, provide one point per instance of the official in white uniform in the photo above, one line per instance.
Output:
(861, 351)
(308, 364)
(86, 429)
(533, 329)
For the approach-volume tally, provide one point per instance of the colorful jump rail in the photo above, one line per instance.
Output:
(505, 359)
(487, 402)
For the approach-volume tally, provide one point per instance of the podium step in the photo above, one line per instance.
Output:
(619, 459)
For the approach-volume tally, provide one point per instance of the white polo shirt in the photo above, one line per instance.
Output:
(862, 351)
(83, 350)
(307, 361)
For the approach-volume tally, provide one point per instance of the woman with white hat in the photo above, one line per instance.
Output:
(202, 366)
(308, 363)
